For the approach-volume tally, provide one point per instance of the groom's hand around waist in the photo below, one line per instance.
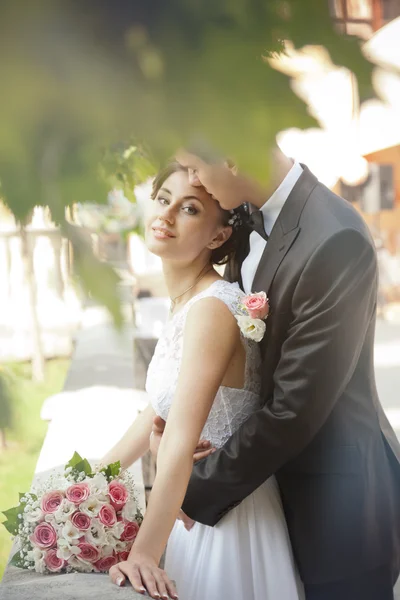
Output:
(203, 448)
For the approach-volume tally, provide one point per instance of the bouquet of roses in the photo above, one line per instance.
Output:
(84, 520)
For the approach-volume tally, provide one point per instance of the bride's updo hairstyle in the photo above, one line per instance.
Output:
(235, 218)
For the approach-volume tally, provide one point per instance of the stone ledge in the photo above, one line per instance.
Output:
(18, 584)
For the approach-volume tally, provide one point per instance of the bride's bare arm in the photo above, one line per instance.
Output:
(135, 442)
(210, 340)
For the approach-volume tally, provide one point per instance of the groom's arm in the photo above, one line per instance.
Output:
(333, 304)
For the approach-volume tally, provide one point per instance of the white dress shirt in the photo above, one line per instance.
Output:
(270, 211)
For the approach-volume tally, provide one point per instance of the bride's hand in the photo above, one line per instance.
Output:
(144, 575)
(203, 450)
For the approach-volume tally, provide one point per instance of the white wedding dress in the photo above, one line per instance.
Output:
(247, 555)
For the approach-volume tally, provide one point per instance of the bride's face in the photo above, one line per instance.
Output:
(184, 221)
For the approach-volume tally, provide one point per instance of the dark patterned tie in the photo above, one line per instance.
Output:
(256, 222)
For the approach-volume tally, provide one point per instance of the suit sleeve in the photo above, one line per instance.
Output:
(332, 307)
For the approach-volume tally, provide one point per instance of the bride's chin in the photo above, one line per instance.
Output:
(156, 249)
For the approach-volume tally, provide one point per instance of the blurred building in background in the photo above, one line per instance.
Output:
(356, 150)
(363, 17)
(57, 304)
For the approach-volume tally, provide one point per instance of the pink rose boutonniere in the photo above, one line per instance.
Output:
(252, 314)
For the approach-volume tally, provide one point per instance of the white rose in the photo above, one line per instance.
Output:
(40, 565)
(253, 329)
(120, 546)
(65, 551)
(51, 519)
(91, 506)
(96, 535)
(71, 533)
(33, 515)
(98, 484)
(80, 565)
(99, 488)
(117, 530)
(35, 555)
(107, 550)
(64, 511)
(129, 511)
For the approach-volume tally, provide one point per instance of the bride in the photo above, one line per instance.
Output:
(204, 377)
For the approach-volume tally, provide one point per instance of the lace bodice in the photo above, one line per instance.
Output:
(231, 406)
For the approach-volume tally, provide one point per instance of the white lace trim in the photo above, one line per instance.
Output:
(231, 406)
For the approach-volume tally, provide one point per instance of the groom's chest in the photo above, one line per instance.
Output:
(251, 262)
(280, 294)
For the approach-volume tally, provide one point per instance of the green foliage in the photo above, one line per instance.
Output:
(159, 74)
(11, 522)
(17, 560)
(162, 72)
(17, 462)
(112, 470)
(6, 400)
(124, 166)
(98, 279)
(79, 465)
(12, 514)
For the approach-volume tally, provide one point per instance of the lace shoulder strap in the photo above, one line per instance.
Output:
(229, 293)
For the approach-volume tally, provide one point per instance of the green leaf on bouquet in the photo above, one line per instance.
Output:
(79, 465)
(12, 522)
(17, 560)
(77, 458)
(112, 470)
(84, 466)
(115, 468)
(26, 495)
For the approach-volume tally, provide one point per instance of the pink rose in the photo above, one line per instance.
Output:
(44, 536)
(107, 515)
(81, 521)
(123, 556)
(130, 532)
(88, 552)
(77, 493)
(118, 494)
(105, 564)
(51, 501)
(53, 563)
(257, 305)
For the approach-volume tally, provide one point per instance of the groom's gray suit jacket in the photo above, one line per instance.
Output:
(322, 430)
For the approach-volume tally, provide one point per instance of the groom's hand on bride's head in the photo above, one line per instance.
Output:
(217, 178)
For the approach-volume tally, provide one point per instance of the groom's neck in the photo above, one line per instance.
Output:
(279, 167)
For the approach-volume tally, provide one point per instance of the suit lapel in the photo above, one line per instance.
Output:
(284, 232)
(277, 247)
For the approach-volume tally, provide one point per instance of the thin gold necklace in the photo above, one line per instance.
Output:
(198, 278)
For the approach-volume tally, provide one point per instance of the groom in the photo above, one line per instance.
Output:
(322, 431)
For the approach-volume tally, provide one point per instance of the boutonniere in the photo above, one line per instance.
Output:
(253, 311)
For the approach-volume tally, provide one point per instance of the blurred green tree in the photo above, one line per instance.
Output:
(76, 78)
(6, 407)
